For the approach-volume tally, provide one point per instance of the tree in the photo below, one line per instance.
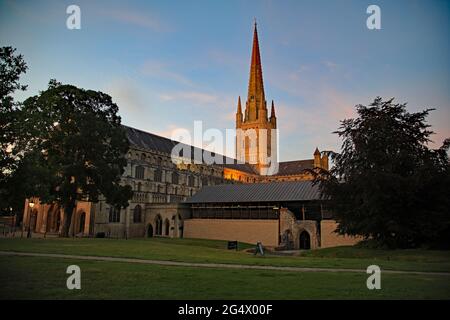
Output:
(78, 144)
(386, 183)
(12, 66)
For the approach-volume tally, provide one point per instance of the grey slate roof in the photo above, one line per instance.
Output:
(294, 167)
(257, 192)
(150, 141)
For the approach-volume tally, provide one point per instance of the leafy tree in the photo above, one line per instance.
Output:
(12, 66)
(77, 143)
(386, 184)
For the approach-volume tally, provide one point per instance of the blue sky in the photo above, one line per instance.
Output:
(169, 63)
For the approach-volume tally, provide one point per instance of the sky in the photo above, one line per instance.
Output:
(169, 63)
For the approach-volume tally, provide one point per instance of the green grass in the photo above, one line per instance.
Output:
(211, 251)
(45, 278)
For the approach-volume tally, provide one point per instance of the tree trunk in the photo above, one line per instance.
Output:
(67, 219)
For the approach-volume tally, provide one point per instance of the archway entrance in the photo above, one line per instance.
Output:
(33, 221)
(158, 225)
(305, 240)
(150, 231)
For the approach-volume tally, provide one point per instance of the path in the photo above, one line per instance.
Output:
(210, 265)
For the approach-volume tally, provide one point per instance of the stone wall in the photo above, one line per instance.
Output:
(290, 230)
(249, 231)
(331, 239)
(173, 214)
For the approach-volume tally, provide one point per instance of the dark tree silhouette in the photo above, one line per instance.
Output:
(78, 145)
(12, 66)
(386, 183)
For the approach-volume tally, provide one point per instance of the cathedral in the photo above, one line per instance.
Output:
(244, 199)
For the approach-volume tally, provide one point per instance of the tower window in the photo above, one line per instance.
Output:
(158, 175)
(139, 172)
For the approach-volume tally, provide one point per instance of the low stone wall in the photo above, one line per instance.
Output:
(329, 238)
(250, 231)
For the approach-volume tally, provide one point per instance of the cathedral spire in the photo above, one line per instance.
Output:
(272, 112)
(256, 98)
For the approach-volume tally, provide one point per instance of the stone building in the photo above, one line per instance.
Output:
(162, 183)
(288, 215)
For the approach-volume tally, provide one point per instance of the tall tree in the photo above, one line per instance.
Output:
(12, 66)
(386, 183)
(77, 140)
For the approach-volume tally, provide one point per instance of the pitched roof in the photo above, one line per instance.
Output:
(294, 167)
(257, 192)
(150, 141)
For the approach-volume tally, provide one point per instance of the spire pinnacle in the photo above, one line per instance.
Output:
(239, 110)
(272, 112)
(317, 152)
(256, 96)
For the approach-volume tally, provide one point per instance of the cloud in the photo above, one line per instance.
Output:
(330, 65)
(127, 95)
(222, 57)
(162, 70)
(313, 120)
(198, 98)
(137, 18)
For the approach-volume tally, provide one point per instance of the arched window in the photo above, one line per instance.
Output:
(139, 172)
(175, 177)
(139, 186)
(137, 214)
(158, 175)
(114, 214)
(143, 156)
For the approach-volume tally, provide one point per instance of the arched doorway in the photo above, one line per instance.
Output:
(53, 219)
(33, 221)
(166, 227)
(305, 240)
(158, 225)
(149, 231)
(81, 222)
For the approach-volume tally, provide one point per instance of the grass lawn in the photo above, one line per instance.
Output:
(211, 251)
(45, 278)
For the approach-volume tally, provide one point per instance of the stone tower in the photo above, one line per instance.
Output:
(256, 135)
